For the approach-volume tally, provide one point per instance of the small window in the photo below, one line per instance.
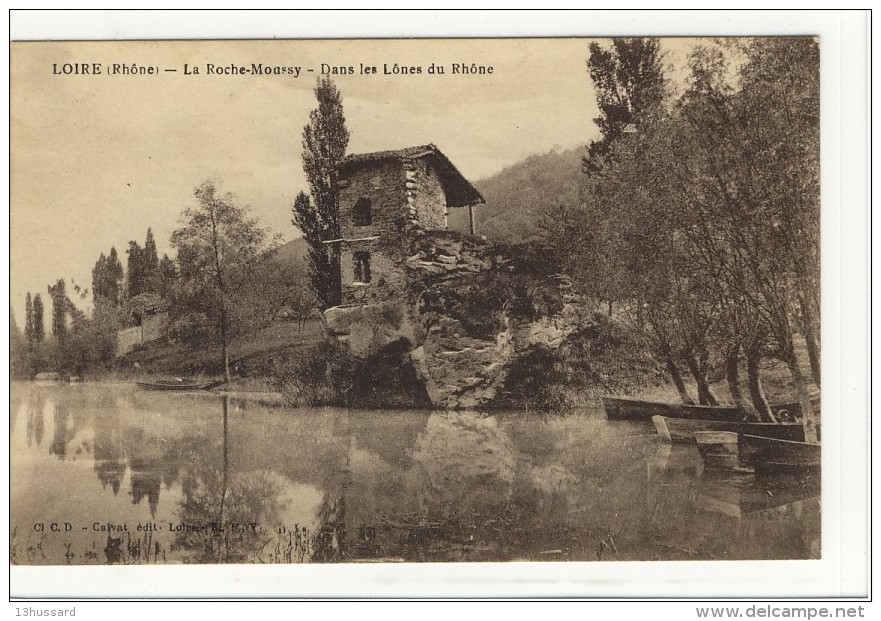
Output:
(362, 266)
(363, 212)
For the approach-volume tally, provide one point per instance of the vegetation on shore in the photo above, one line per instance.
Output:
(689, 230)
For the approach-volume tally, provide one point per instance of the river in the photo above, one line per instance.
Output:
(104, 473)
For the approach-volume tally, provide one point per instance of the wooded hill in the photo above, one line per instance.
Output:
(518, 197)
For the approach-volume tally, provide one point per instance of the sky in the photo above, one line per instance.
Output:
(97, 159)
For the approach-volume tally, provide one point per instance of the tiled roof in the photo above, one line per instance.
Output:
(459, 192)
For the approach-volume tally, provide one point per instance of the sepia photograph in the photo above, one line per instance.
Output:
(407, 301)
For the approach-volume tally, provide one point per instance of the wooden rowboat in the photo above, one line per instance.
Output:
(777, 455)
(719, 450)
(682, 430)
(739, 494)
(174, 385)
(618, 408)
(785, 411)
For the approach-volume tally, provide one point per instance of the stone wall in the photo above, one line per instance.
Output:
(427, 193)
(402, 194)
(151, 328)
(383, 184)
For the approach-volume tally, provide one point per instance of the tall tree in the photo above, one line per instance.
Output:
(39, 326)
(29, 333)
(630, 89)
(115, 276)
(107, 274)
(167, 275)
(99, 277)
(60, 308)
(325, 139)
(150, 264)
(220, 248)
(136, 273)
(629, 84)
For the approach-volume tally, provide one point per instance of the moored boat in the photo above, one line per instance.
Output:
(682, 430)
(788, 412)
(718, 449)
(739, 494)
(174, 385)
(47, 377)
(774, 454)
(619, 408)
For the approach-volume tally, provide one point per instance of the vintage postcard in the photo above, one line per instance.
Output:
(457, 301)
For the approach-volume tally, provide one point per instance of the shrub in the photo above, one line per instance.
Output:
(319, 375)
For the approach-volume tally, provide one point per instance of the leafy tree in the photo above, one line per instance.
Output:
(219, 249)
(39, 326)
(60, 308)
(630, 89)
(150, 264)
(99, 290)
(136, 272)
(29, 334)
(325, 139)
(629, 84)
(167, 275)
(106, 277)
(20, 351)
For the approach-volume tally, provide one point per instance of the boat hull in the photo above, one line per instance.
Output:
(777, 455)
(682, 430)
(719, 450)
(635, 409)
(171, 387)
(618, 408)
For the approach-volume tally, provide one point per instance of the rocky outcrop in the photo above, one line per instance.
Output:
(472, 310)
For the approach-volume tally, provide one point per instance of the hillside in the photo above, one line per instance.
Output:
(292, 254)
(518, 196)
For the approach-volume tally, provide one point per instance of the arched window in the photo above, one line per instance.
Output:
(362, 266)
(363, 212)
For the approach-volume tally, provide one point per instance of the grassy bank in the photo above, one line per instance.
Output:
(251, 358)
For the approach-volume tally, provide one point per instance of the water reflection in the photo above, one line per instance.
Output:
(213, 480)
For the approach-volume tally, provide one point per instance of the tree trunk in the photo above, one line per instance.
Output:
(732, 374)
(704, 392)
(677, 379)
(224, 545)
(811, 340)
(610, 308)
(756, 390)
(809, 417)
(224, 348)
(813, 356)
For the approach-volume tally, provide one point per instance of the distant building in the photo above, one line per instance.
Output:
(381, 195)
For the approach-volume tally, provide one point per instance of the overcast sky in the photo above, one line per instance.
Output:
(98, 159)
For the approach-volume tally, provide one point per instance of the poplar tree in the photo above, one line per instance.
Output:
(325, 139)
(150, 264)
(29, 321)
(60, 307)
(39, 326)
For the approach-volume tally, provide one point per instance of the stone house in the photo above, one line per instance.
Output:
(382, 196)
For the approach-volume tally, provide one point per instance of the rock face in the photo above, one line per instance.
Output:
(472, 311)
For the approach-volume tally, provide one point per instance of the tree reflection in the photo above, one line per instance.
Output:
(227, 516)
(108, 452)
(36, 404)
(63, 430)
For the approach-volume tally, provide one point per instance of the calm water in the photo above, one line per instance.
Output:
(108, 474)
